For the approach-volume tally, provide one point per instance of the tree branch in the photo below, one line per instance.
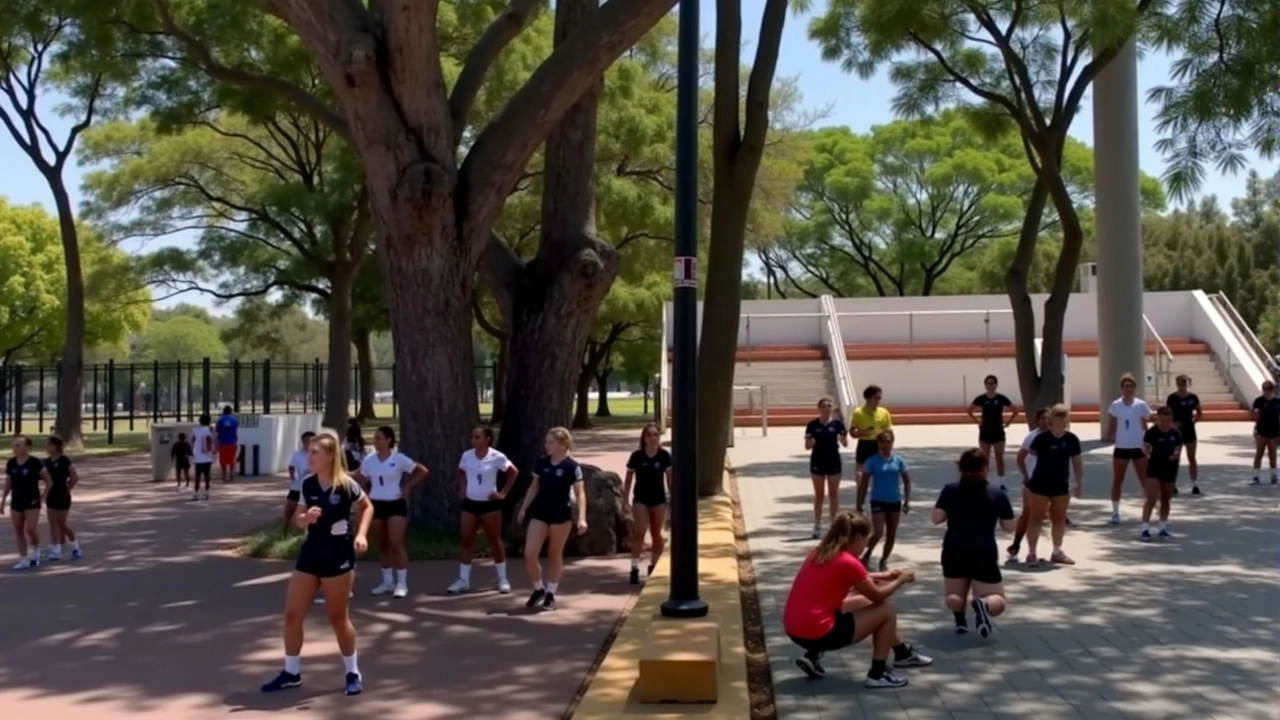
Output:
(496, 332)
(756, 125)
(500, 267)
(504, 28)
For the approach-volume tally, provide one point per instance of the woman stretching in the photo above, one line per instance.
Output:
(326, 561)
(556, 489)
(821, 615)
(1057, 453)
(649, 474)
(382, 472)
(485, 476)
(823, 438)
(63, 478)
(886, 473)
(972, 510)
(23, 475)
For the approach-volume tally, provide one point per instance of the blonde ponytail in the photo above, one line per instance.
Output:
(338, 474)
(844, 528)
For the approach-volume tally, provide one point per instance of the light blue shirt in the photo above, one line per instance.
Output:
(886, 477)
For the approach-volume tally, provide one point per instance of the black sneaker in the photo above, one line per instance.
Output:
(981, 617)
(549, 602)
(534, 598)
(1195, 490)
(962, 627)
(354, 684)
(811, 666)
(283, 681)
(635, 576)
(884, 564)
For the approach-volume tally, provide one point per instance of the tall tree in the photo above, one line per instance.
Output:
(35, 36)
(740, 128)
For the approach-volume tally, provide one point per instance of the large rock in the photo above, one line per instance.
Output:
(608, 528)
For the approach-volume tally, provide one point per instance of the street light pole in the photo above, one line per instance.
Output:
(684, 601)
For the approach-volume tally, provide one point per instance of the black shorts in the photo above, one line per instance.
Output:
(331, 558)
(1188, 434)
(1128, 453)
(649, 500)
(825, 466)
(481, 507)
(1048, 488)
(991, 435)
(983, 567)
(203, 469)
(22, 501)
(383, 509)
(293, 496)
(1266, 433)
(841, 636)
(865, 450)
(551, 514)
(183, 465)
(58, 500)
(1165, 473)
(885, 507)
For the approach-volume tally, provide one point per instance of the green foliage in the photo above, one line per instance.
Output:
(279, 332)
(182, 338)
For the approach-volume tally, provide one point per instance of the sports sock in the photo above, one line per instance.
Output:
(293, 664)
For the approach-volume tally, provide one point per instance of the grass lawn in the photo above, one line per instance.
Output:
(270, 542)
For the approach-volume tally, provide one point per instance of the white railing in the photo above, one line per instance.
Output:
(910, 316)
(819, 316)
(1244, 333)
(1161, 359)
(839, 359)
(764, 408)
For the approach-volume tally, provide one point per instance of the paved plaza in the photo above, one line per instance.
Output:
(161, 622)
(1184, 628)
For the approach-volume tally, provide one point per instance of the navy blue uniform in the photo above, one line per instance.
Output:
(24, 479)
(1165, 448)
(59, 469)
(329, 548)
(969, 549)
(991, 428)
(1268, 424)
(650, 489)
(1184, 414)
(824, 459)
(552, 504)
(1052, 476)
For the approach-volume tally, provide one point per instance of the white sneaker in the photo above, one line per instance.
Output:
(401, 590)
(24, 564)
(195, 496)
(204, 495)
(1115, 518)
(888, 680)
(53, 556)
(504, 586)
(384, 588)
(460, 586)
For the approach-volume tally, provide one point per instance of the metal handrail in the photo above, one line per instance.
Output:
(1161, 360)
(775, 315)
(764, 409)
(1246, 332)
(911, 322)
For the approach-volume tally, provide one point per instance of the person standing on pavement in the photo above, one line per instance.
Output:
(228, 435)
(204, 448)
(1186, 409)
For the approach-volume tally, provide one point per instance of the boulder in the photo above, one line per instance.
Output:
(608, 528)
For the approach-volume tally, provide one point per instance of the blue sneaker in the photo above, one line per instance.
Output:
(76, 554)
(283, 681)
(354, 684)
(1146, 535)
(1165, 534)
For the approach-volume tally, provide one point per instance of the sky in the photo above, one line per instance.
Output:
(855, 103)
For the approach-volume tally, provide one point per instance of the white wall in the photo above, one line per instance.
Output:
(276, 437)
(1208, 324)
(956, 382)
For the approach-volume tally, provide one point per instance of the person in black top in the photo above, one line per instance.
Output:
(336, 518)
(23, 475)
(556, 495)
(1057, 453)
(645, 491)
(353, 448)
(1185, 407)
(823, 438)
(1163, 445)
(63, 478)
(1266, 430)
(992, 423)
(180, 454)
(972, 510)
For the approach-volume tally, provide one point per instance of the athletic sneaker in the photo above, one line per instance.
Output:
(76, 554)
(962, 627)
(1175, 490)
(384, 588)
(54, 555)
(535, 597)
(1115, 518)
(1061, 558)
(1256, 481)
(1275, 479)
(1165, 535)
(204, 495)
(1004, 489)
(887, 680)
(458, 587)
(355, 685)
(27, 564)
(549, 602)
(1146, 536)
(1195, 490)
(635, 575)
(402, 590)
(913, 659)
(817, 531)
(1014, 551)
(811, 666)
(1032, 560)
(981, 617)
(195, 497)
(504, 586)
(283, 681)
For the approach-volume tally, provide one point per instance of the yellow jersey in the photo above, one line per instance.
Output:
(870, 423)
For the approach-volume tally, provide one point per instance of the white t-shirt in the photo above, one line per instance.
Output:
(198, 452)
(1026, 445)
(1128, 420)
(482, 473)
(385, 475)
(301, 468)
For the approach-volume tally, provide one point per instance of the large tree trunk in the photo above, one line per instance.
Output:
(364, 360)
(602, 390)
(337, 385)
(556, 294)
(582, 410)
(1016, 281)
(71, 372)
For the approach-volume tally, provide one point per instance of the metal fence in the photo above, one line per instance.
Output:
(127, 397)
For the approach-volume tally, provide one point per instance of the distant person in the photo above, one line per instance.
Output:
(228, 430)
(555, 498)
(1130, 416)
(992, 423)
(868, 422)
(1026, 466)
(24, 474)
(1057, 453)
(885, 474)
(1163, 445)
(63, 479)
(180, 455)
(645, 491)
(299, 468)
(485, 478)
(823, 438)
(1187, 412)
(1266, 430)
(204, 449)
(354, 445)
(383, 473)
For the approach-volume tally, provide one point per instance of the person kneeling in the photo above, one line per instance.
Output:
(821, 615)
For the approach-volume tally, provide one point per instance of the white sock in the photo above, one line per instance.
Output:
(293, 664)
(404, 576)
(464, 572)
(387, 576)
(635, 563)
(552, 586)
(1115, 506)
(349, 662)
(1146, 526)
(1057, 549)
(537, 585)
(1164, 524)
(501, 569)
(35, 553)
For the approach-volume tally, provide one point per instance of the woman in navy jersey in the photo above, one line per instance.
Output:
(823, 438)
(1057, 453)
(485, 477)
(992, 423)
(63, 478)
(1185, 406)
(23, 476)
(336, 519)
(1163, 446)
(1266, 430)
(556, 496)
(646, 490)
